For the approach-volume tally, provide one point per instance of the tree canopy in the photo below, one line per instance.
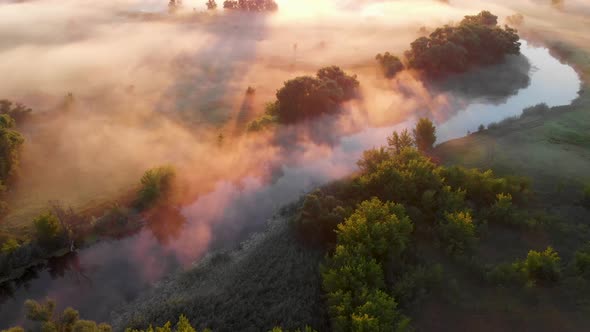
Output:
(476, 40)
(306, 97)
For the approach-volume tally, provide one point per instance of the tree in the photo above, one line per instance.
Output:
(48, 230)
(543, 267)
(156, 185)
(424, 134)
(10, 144)
(17, 111)
(398, 142)
(457, 232)
(211, 5)
(476, 40)
(251, 5)
(390, 64)
(307, 97)
(68, 321)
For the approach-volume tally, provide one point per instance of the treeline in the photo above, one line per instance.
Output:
(476, 40)
(245, 5)
(45, 319)
(60, 229)
(11, 142)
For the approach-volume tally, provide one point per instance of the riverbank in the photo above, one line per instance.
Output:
(525, 146)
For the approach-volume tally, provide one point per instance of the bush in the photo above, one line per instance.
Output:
(538, 109)
(502, 211)
(582, 262)
(10, 246)
(156, 186)
(48, 231)
(507, 274)
(69, 320)
(542, 267)
(457, 233)
(390, 64)
(586, 196)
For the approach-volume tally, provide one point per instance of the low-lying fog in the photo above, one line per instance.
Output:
(151, 88)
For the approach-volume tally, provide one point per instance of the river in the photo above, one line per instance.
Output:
(110, 273)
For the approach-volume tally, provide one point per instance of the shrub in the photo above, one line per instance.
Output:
(538, 109)
(582, 262)
(390, 64)
(502, 211)
(457, 233)
(507, 274)
(48, 230)
(10, 246)
(183, 325)
(156, 186)
(586, 196)
(542, 267)
(69, 320)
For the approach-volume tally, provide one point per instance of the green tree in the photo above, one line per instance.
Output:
(390, 64)
(10, 146)
(582, 262)
(457, 233)
(476, 40)
(307, 97)
(543, 267)
(156, 186)
(424, 134)
(10, 246)
(48, 230)
(398, 142)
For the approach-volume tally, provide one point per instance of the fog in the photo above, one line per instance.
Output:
(152, 87)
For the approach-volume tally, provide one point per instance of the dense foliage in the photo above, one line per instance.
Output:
(156, 186)
(390, 64)
(17, 111)
(353, 277)
(48, 231)
(424, 134)
(307, 97)
(476, 40)
(538, 268)
(10, 143)
(47, 320)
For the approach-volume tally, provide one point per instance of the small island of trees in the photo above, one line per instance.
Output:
(476, 40)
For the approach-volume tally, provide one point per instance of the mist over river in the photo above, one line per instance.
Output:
(98, 279)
